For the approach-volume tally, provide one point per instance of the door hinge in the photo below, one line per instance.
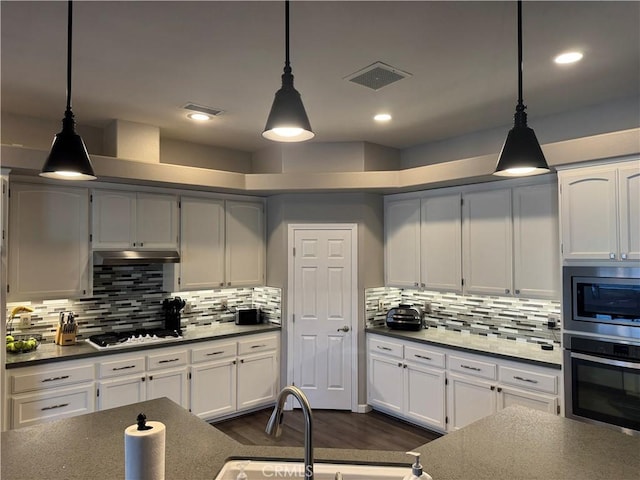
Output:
(461, 201)
(90, 237)
(97, 392)
(446, 420)
(91, 198)
(7, 288)
(558, 409)
(179, 204)
(446, 381)
(179, 280)
(293, 317)
(562, 248)
(462, 282)
(189, 375)
(4, 188)
(294, 251)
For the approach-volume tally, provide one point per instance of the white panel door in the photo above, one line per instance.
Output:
(441, 243)
(323, 322)
(629, 211)
(201, 243)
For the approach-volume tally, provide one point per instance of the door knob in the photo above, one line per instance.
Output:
(344, 329)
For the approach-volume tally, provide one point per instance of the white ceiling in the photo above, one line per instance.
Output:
(142, 61)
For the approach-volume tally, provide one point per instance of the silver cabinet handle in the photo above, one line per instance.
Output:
(475, 369)
(344, 329)
(422, 356)
(52, 407)
(214, 353)
(169, 361)
(529, 380)
(115, 369)
(53, 379)
(383, 348)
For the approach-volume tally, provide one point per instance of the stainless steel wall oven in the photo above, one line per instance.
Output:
(601, 321)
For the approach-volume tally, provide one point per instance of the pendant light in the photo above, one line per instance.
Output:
(68, 158)
(521, 153)
(287, 120)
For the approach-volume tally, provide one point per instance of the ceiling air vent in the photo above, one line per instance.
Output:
(194, 107)
(377, 75)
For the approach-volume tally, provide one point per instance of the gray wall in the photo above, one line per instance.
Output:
(363, 209)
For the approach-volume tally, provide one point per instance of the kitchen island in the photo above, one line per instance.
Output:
(515, 443)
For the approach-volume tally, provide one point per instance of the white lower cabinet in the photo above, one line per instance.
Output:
(41, 394)
(409, 380)
(228, 377)
(121, 391)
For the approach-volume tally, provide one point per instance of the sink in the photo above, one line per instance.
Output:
(269, 470)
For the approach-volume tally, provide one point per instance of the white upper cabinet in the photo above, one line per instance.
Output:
(486, 242)
(402, 242)
(600, 211)
(244, 243)
(201, 243)
(123, 219)
(441, 243)
(48, 242)
(536, 246)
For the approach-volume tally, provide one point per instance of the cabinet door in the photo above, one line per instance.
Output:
(441, 243)
(487, 242)
(257, 380)
(49, 242)
(469, 400)
(121, 391)
(588, 214)
(386, 384)
(156, 221)
(508, 396)
(114, 222)
(536, 254)
(52, 405)
(201, 243)
(213, 389)
(244, 244)
(629, 211)
(172, 384)
(425, 395)
(402, 243)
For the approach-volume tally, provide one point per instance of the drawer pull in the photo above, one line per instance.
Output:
(53, 379)
(383, 348)
(214, 353)
(170, 360)
(115, 369)
(529, 380)
(52, 407)
(424, 357)
(258, 346)
(475, 369)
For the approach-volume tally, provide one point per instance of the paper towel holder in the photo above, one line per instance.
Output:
(142, 419)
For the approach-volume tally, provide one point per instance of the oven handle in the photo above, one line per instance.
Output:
(605, 361)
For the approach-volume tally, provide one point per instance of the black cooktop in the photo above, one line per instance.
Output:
(113, 338)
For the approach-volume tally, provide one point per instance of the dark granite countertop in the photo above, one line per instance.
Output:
(516, 443)
(467, 342)
(49, 352)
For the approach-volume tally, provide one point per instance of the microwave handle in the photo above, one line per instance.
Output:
(606, 361)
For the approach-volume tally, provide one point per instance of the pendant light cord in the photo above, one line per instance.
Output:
(520, 117)
(287, 77)
(69, 39)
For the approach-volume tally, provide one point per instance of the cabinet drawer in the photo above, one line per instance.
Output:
(257, 345)
(385, 348)
(424, 356)
(528, 379)
(51, 379)
(166, 360)
(473, 367)
(52, 405)
(121, 367)
(213, 352)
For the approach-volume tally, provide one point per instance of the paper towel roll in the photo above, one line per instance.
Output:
(144, 452)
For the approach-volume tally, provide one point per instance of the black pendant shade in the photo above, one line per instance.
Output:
(68, 158)
(521, 153)
(287, 121)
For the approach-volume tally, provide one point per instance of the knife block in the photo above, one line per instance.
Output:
(65, 335)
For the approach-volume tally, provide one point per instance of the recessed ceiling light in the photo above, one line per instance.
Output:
(568, 57)
(382, 117)
(200, 117)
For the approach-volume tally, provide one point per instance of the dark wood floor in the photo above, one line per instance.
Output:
(331, 429)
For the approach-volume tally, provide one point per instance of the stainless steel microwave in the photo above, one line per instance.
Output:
(603, 300)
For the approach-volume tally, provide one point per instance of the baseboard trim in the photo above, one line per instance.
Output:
(363, 408)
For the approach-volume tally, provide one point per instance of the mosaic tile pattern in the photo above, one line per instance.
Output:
(516, 319)
(130, 297)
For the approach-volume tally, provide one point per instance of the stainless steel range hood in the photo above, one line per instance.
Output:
(135, 257)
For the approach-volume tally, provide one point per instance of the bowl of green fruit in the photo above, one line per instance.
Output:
(23, 343)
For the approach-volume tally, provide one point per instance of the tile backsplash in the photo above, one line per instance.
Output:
(512, 318)
(130, 297)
